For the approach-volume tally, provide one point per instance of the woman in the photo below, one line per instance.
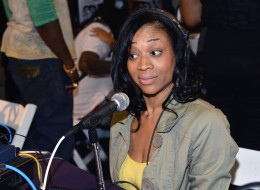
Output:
(169, 139)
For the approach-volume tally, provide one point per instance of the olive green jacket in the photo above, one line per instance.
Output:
(196, 152)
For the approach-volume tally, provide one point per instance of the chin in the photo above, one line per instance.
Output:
(152, 92)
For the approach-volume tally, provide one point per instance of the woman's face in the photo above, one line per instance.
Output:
(151, 60)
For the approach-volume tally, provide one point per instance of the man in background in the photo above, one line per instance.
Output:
(39, 45)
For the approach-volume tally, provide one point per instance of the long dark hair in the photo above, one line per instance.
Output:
(188, 83)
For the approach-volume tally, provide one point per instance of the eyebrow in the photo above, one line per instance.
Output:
(151, 40)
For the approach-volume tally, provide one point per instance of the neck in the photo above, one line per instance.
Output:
(154, 103)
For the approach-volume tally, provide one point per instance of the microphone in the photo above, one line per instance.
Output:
(118, 102)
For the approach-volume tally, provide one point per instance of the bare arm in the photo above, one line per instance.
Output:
(191, 12)
(104, 36)
(52, 36)
(89, 63)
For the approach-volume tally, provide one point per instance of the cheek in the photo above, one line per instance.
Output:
(168, 70)
(168, 75)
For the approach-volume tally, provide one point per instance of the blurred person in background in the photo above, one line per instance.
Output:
(228, 51)
(39, 45)
(94, 46)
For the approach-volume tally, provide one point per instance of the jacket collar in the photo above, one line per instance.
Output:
(167, 121)
(169, 118)
(124, 125)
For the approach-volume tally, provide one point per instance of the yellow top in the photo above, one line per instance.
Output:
(132, 172)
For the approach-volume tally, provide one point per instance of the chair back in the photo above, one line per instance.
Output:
(17, 117)
(246, 168)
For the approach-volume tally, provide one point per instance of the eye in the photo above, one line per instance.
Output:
(132, 56)
(157, 52)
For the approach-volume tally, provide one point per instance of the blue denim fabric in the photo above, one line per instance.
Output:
(54, 102)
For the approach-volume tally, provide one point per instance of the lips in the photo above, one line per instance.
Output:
(146, 80)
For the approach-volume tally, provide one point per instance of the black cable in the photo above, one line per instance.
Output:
(249, 186)
(37, 148)
(4, 135)
(115, 183)
(122, 182)
(26, 139)
(147, 160)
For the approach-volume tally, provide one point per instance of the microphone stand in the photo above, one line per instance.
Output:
(93, 138)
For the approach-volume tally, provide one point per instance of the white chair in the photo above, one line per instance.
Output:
(82, 162)
(17, 117)
(246, 168)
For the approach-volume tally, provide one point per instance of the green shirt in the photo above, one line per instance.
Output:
(22, 41)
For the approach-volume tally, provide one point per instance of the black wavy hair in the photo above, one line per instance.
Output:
(188, 82)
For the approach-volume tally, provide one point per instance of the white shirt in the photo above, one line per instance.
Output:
(92, 90)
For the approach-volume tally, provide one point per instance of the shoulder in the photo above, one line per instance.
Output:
(205, 125)
(204, 110)
(202, 117)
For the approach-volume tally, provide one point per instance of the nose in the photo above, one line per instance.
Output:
(144, 64)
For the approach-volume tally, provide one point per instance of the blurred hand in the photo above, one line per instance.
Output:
(74, 80)
(72, 73)
(103, 35)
